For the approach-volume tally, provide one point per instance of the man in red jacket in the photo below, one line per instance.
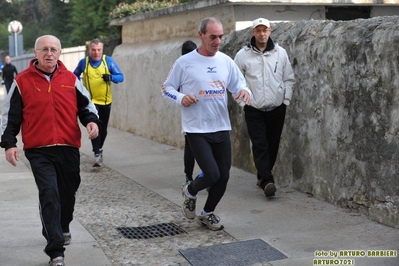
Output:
(45, 101)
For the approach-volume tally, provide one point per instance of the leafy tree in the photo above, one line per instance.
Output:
(4, 36)
(8, 11)
(58, 20)
(30, 13)
(137, 7)
(90, 20)
(73, 21)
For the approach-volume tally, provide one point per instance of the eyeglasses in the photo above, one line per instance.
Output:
(262, 30)
(45, 50)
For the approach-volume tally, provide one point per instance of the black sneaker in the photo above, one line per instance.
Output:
(270, 190)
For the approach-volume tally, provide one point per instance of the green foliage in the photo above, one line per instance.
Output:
(58, 21)
(125, 10)
(32, 16)
(4, 36)
(8, 11)
(74, 22)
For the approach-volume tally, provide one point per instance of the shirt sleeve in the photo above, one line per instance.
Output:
(80, 68)
(237, 81)
(87, 112)
(288, 80)
(11, 119)
(237, 61)
(172, 84)
(116, 73)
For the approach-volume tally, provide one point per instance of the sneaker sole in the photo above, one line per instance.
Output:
(210, 228)
(270, 190)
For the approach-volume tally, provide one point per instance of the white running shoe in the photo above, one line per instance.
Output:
(188, 207)
(209, 220)
(59, 261)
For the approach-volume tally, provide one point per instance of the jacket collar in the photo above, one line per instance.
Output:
(270, 45)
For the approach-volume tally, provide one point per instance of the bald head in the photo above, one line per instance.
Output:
(7, 59)
(47, 38)
(47, 51)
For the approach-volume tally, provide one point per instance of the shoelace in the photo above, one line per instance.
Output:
(190, 204)
(213, 218)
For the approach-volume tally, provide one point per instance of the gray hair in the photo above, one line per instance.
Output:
(204, 23)
(95, 41)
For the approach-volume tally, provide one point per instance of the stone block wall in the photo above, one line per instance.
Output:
(340, 140)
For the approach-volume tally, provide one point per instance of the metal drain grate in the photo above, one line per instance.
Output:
(152, 231)
(242, 253)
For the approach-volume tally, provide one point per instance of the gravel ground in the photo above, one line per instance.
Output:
(107, 200)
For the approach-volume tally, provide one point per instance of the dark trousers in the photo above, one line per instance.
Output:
(104, 112)
(57, 176)
(264, 129)
(189, 161)
(212, 151)
(7, 84)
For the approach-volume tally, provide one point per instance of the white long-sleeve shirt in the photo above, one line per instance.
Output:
(207, 78)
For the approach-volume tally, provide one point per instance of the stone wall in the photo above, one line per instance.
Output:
(340, 140)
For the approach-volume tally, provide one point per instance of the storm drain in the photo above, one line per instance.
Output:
(241, 253)
(152, 231)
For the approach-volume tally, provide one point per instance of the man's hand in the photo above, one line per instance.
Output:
(92, 129)
(12, 155)
(106, 77)
(188, 100)
(244, 96)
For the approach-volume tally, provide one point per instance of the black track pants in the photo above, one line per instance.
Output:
(57, 175)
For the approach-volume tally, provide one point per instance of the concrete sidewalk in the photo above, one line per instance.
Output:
(21, 242)
(292, 222)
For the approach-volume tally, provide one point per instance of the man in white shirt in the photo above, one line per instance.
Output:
(204, 76)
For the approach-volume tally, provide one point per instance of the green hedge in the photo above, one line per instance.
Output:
(139, 7)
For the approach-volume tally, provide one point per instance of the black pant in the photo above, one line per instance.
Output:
(7, 84)
(212, 151)
(264, 129)
(104, 112)
(189, 161)
(57, 176)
